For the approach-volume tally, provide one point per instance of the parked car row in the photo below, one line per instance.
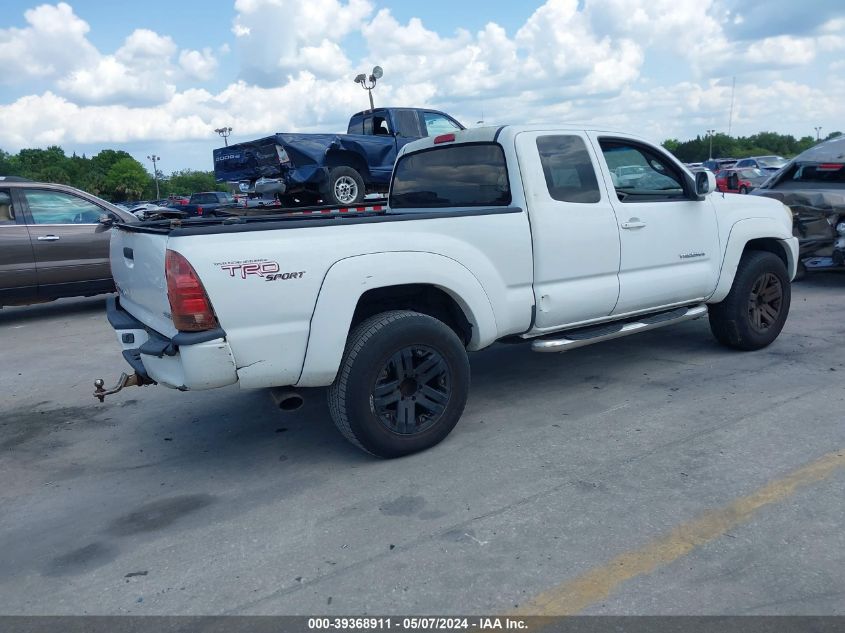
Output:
(766, 164)
(739, 180)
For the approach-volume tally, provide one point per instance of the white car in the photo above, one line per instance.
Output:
(514, 233)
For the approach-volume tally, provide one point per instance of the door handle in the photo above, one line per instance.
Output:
(48, 238)
(633, 223)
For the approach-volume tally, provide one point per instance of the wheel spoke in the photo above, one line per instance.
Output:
(385, 388)
(771, 293)
(406, 416)
(403, 362)
(388, 398)
(430, 368)
(770, 313)
(436, 396)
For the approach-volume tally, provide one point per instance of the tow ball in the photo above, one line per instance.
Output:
(135, 380)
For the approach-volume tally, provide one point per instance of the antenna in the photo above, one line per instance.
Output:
(731, 115)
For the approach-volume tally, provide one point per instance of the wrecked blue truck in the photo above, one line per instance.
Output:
(303, 169)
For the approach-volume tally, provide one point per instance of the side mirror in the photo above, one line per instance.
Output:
(705, 182)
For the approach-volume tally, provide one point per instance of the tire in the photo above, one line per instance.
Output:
(376, 401)
(743, 189)
(343, 185)
(755, 310)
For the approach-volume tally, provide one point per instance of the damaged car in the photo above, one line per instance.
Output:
(339, 169)
(812, 185)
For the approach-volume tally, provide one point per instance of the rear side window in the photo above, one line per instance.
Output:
(205, 198)
(569, 172)
(407, 123)
(452, 176)
(356, 125)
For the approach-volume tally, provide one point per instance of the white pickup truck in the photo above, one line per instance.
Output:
(516, 233)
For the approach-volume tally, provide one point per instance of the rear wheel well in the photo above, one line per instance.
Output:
(770, 245)
(348, 159)
(422, 298)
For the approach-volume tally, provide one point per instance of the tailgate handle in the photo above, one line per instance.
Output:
(128, 253)
(48, 238)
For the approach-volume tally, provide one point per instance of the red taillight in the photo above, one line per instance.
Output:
(190, 308)
(199, 210)
(829, 167)
(444, 138)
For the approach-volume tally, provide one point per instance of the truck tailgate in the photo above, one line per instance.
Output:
(137, 264)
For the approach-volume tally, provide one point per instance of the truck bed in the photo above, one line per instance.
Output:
(298, 219)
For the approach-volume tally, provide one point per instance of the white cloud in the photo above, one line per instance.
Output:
(53, 43)
(198, 65)
(562, 64)
(142, 71)
(277, 38)
(54, 46)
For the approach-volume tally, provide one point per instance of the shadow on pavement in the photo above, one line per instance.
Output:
(10, 315)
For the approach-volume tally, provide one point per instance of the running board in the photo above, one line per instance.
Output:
(566, 341)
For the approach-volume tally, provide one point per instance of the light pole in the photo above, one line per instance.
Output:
(155, 158)
(818, 134)
(710, 133)
(224, 132)
(372, 79)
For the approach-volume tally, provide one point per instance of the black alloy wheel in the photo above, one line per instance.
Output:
(412, 390)
(765, 302)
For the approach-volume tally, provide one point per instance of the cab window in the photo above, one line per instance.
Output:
(569, 172)
(640, 174)
(438, 124)
(472, 175)
(53, 207)
(380, 126)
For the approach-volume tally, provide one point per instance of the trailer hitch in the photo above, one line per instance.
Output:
(135, 380)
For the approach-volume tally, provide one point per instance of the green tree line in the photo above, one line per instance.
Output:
(111, 174)
(761, 144)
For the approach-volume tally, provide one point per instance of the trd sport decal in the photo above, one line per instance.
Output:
(259, 267)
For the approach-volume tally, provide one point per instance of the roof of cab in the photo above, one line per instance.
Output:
(493, 133)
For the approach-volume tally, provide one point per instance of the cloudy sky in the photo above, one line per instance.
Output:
(158, 76)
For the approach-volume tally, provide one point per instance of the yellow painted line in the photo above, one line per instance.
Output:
(597, 584)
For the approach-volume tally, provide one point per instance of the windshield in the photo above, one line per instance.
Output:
(751, 173)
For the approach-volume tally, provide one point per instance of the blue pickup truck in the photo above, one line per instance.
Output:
(302, 169)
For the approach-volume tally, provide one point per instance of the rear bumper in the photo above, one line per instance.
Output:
(189, 360)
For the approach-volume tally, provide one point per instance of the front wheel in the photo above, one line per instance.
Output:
(743, 189)
(402, 384)
(343, 185)
(754, 312)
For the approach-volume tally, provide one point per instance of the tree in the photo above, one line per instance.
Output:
(191, 181)
(126, 180)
